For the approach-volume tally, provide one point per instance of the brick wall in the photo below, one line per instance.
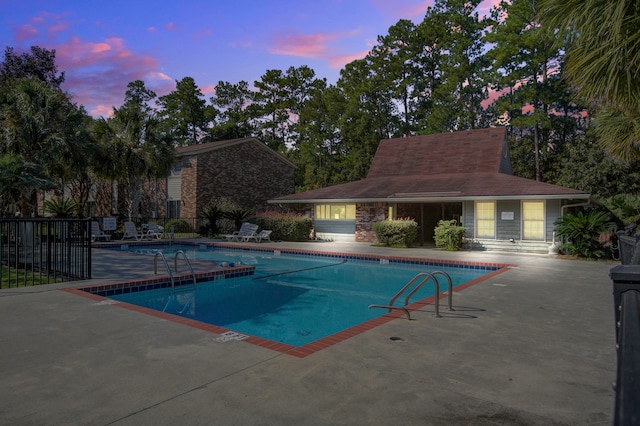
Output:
(247, 173)
(189, 187)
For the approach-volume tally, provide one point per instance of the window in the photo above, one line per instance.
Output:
(533, 220)
(336, 211)
(486, 219)
(173, 209)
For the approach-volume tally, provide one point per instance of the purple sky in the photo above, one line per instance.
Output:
(102, 46)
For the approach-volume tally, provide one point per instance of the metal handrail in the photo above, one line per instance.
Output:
(175, 264)
(155, 266)
(450, 291)
(425, 276)
(419, 286)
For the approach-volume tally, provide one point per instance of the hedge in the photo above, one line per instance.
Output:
(396, 233)
(285, 226)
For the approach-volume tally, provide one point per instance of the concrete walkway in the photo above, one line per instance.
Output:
(531, 346)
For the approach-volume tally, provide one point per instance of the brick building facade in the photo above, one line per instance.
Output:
(243, 170)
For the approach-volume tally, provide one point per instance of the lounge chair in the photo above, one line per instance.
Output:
(154, 231)
(246, 230)
(97, 233)
(259, 237)
(130, 231)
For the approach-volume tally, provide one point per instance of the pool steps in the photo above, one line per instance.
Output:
(425, 276)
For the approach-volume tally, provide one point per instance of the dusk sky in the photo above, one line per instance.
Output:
(102, 46)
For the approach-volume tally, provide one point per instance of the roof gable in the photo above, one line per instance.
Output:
(191, 150)
(472, 151)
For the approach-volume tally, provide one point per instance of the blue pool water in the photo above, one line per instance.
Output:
(291, 299)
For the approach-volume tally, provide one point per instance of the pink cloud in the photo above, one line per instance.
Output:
(202, 33)
(305, 45)
(209, 89)
(315, 46)
(170, 26)
(394, 10)
(341, 61)
(97, 74)
(58, 28)
(25, 32)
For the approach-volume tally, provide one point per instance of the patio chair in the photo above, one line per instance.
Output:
(130, 231)
(154, 230)
(264, 235)
(246, 230)
(97, 233)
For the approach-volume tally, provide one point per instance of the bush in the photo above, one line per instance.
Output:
(396, 233)
(62, 207)
(179, 226)
(449, 235)
(583, 232)
(285, 226)
(211, 213)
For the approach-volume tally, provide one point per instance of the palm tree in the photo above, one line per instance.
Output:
(132, 148)
(18, 180)
(603, 62)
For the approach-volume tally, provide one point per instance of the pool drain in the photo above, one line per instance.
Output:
(396, 338)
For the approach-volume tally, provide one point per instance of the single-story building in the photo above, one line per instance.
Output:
(464, 175)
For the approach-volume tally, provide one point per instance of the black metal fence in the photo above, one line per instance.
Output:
(626, 302)
(44, 250)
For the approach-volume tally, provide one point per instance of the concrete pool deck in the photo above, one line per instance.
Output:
(534, 345)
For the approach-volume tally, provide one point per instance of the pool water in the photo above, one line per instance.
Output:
(291, 299)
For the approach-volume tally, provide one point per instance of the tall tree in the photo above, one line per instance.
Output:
(603, 63)
(39, 64)
(45, 128)
(525, 56)
(232, 102)
(319, 151)
(185, 113)
(132, 147)
(369, 115)
(458, 95)
(277, 103)
(395, 56)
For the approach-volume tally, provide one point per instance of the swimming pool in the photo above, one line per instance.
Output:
(294, 299)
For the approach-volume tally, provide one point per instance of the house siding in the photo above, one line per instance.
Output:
(553, 213)
(508, 228)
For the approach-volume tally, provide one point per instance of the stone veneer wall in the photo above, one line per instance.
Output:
(246, 173)
(366, 215)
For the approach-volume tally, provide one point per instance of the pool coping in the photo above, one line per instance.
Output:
(101, 292)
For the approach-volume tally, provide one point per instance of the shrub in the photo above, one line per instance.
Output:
(237, 216)
(179, 226)
(449, 235)
(583, 232)
(285, 226)
(396, 233)
(210, 213)
(61, 207)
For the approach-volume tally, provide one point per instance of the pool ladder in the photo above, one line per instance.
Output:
(423, 278)
(175, 269)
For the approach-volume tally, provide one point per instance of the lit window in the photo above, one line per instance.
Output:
(486, 219)
(336, 211)
(533, 220)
